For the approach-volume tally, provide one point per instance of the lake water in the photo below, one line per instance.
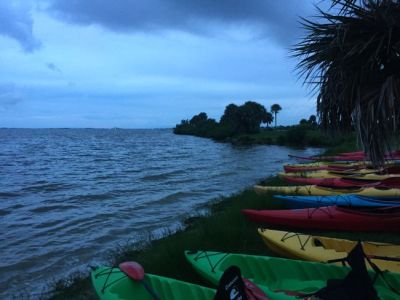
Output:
(69, 196)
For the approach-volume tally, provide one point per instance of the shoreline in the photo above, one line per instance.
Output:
(164, 256)
(290, 136)
(223, 228)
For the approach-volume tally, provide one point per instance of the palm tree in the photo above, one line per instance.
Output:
(352, 60)
(275, 108)
(269, 118)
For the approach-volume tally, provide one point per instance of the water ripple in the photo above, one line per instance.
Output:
(4, 195)
(68, 196)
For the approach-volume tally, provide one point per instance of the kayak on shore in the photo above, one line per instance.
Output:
(318, 166)
(283, 278)
(390, 167)
(339, 200)
(330, 218)
(323, 249)
(350, 156)
(316, 190)
(363, 174)
(113, 284)
(345, 182)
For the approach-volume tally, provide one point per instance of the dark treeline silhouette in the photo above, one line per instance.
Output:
(310, 123)
(236, 120)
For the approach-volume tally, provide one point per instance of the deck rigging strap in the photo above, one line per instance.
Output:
(289, 235)
(204, 254)
(108, 272)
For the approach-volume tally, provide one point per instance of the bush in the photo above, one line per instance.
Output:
(281, 140)
(296, 136)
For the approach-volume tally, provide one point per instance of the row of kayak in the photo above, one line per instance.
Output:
(390, 166)
(336, 205)
(365, 175)
(315, 190)
(347, 157)
(275, 278)
(306, 271)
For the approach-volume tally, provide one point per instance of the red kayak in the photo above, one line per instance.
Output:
(330, 218)
(391, 169)
(356, 156)
(291, 169)
(345, 182)
(330, 158)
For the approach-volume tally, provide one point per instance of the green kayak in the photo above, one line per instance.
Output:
(283, 278)
(112, 283)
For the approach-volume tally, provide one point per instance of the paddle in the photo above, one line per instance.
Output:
(136, 272)
(232, 286)
(388, 258)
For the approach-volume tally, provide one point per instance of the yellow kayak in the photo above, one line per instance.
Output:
(328, 163)
(364, 174)
(325, 191)
(322, 249)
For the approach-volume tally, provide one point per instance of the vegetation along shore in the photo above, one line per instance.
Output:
(241, 125)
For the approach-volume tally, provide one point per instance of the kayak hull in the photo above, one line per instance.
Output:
(339, 200)
(116, 285)
(322, 249)
(315, 190)
(332, 182)
(324, 174)
(275, 276)
(329, 218)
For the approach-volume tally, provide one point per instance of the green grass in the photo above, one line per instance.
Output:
(297, 136)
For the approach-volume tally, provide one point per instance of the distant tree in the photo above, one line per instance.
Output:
(199, 125)
(313, 121)
(231, 119)
(303, 122)
(269, 119)
(275, 108)
(251, 115)
(245, 118)
(198, 119)
(242, 119)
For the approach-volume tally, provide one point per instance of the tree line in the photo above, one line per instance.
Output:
(236, 120)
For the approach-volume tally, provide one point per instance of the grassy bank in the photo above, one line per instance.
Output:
(294, 136)
(223, 229)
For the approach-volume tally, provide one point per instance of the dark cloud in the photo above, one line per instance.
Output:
(266, 17)
(53, 68)
(9, 96)
(16, 22)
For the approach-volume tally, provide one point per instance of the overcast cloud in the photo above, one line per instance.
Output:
(265, 18)
(136, 64)
(16, 22)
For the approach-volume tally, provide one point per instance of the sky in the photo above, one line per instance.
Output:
(147, 64)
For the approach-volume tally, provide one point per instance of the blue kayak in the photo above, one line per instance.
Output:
(339, 200)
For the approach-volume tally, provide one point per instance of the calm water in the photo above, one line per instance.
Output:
(69, 196)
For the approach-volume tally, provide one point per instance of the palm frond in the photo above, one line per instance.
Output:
(352, 61)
